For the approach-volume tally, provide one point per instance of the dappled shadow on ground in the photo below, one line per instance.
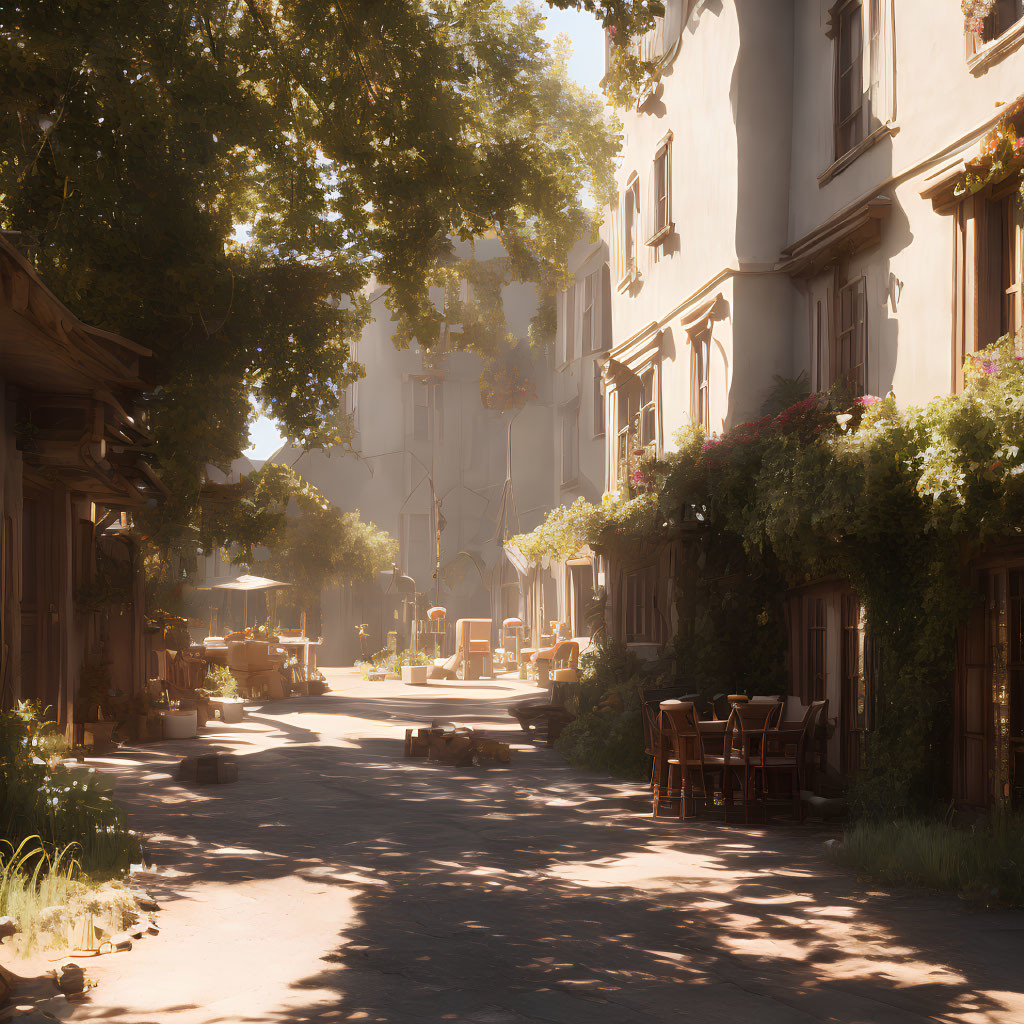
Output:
(537, 893)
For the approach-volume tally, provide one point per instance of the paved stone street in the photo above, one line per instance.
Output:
(338, 881)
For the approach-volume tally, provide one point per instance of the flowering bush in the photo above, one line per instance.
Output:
(1001, 155)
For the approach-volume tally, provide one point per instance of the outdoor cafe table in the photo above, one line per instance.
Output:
(304, 649)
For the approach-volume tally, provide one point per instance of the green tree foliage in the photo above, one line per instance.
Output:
(896, 501)
(311, 544)
(349, 140)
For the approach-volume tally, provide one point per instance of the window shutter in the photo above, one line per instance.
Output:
(873, 65)
(989, 273)
(650, 207)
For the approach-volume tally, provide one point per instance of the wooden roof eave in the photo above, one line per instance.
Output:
(851, 230)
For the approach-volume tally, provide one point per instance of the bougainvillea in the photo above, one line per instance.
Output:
(505, 388)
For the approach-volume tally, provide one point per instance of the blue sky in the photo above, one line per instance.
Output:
(586, 66)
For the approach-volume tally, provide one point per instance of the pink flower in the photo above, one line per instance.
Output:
(989, 367)
(866, 400)
(637, 477)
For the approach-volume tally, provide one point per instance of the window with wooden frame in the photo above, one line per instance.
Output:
(598, 400)
(818, 354)
(640, 616)
(988, 272)
(850, 361)
(623, 440)
(647, 415)
(1003, 16)
(587, 342)
(660, 199)
(815, 649)
(700, 379)
(630, 228)
(848, 30)
(570, 444)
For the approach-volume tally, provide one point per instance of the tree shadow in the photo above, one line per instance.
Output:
(537, 892)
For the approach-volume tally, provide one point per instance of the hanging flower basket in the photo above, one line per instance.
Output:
(502, 388)
(975, 13)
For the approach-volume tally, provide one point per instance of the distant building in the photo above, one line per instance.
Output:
(439, 465)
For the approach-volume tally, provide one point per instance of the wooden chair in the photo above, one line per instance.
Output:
(785, 753)
(743, 750)
(679, 763)
(507, 655)
(777, 718)
(563, 657)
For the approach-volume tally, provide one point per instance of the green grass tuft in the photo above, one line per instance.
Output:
(984, 863)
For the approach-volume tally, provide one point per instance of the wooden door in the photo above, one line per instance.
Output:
(39, 661)
(977, 648)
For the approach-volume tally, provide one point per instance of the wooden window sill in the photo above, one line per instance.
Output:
(633, 277)
(883, 131)
(996, 49)
(661, 234)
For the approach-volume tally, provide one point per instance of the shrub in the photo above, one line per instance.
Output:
(220, 682)
(984, 863)
(391, 662)
(608, 734)
(40, 796)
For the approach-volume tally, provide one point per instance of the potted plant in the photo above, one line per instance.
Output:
(222, 688)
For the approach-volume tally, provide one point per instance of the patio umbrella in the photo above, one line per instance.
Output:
(245, 583)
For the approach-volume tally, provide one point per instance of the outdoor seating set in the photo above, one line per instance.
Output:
(742, 746)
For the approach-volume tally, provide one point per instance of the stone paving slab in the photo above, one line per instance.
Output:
(338, 881)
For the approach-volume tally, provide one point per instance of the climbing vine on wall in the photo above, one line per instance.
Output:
(895, 501)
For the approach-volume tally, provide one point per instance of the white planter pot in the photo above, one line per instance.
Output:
(414, 675)
(179, 725)
(232, 709)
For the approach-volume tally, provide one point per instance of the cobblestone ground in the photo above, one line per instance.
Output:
(338, 881)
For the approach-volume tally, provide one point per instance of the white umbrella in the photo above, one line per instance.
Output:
(246, 583)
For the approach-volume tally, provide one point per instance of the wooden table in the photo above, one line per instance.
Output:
(302, 647)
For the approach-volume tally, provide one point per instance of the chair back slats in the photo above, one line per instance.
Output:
(684, 735)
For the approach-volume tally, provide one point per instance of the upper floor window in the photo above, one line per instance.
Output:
(598, 399)
(989, 293)
(587, 343)
(700, 377)
(647, 418)
(569, 324)
(864, 87)
(1003, 15)
(570, 444)
(850, 363)
(849, 87)
(630, 227)
(425, 420)
(350, 404)
(660, 213)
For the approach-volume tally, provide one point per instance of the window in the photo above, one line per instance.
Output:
(851, 340)
(630, 226)
(816, 646)
(819, 346)
(647, 418)
(700, 359)
(570, 444)
(1004, 15)
(849, 85)
(660, 210)
(350, 404)
(569, 325)
(420, 410)
(989, 262)
(427, 419)
(587, 344)
(598, 399)
(640, 618)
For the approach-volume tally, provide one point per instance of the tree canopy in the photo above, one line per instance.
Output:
(219, 179)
